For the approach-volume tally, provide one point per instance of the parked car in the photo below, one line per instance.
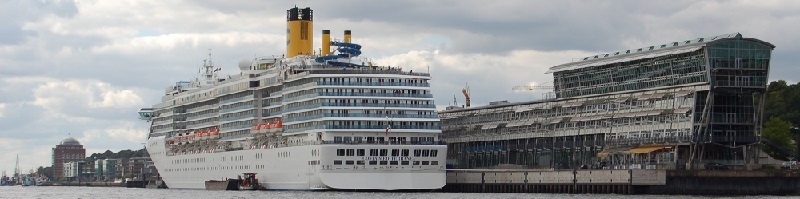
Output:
(789, 165)
(716, 166)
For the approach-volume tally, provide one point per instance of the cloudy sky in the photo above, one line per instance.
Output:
(83, 68)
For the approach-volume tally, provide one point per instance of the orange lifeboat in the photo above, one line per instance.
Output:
(215, 133)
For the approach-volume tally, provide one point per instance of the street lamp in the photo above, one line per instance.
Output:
(795, 134)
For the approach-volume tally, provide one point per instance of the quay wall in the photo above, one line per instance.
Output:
(632, 181)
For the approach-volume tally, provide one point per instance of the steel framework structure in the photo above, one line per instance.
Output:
(700, 100)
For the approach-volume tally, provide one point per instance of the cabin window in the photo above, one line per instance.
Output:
(360, 152)
(339, 152)
(373, 152)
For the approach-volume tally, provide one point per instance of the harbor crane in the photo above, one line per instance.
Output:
(465, 91)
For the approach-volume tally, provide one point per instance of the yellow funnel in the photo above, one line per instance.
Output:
(347, 36)
(299, 32)
(326, 42)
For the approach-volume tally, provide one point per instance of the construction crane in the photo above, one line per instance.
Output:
(465, 91)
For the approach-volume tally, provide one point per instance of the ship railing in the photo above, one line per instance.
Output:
(272, 94)
(243, 126)
(360, 115)
(289, 99)
(373, 84)
(378, 115)
(376, 94)
(396, 71)
(268, 104)
(205, 115)
(358, 104)
(376, 127)
(203, 124)
(236, 108)
(274, 113)
(379, 105)
(436, 127)
(301, 107)
(226, 119)
(294, 119)
(387, 142)
(244, 98)
(200, 108)
(301, 86)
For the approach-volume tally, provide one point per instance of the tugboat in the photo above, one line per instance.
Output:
(250, 182)
(5, 180)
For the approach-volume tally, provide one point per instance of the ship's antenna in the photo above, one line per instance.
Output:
(210, 69)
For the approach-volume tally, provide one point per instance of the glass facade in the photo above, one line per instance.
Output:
(667, 70)
(673, 107)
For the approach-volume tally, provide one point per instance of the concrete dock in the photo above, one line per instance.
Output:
(630, 181)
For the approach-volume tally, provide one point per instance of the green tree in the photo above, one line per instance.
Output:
(782, 102)
(777, 133)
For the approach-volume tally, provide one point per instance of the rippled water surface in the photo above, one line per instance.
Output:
(118, 192)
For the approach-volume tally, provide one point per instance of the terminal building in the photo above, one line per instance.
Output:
(680, 105)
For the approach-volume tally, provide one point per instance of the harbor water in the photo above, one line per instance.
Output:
(119, 192)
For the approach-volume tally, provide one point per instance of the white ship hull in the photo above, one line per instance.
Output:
(291, 168)
(300, 121)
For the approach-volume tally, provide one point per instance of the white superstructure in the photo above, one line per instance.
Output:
(310, 121)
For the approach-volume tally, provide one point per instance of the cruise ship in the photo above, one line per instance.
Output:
(306, 120)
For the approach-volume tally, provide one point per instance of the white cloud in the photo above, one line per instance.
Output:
(76, 94)
(86, 72)
(170, 41)
(118, 99)
(128, 134)
(123, 131)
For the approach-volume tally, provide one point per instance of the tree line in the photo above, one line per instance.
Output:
(782, 115)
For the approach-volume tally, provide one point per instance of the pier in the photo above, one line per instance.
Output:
(630, 181)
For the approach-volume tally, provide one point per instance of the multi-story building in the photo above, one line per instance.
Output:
(136, 167)
(677, 105)
(68, 170)
(106, 169)
(67, 151)
(72, 169)
(87, 169)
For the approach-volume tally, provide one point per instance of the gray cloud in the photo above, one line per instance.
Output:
(144, 46)
(14, 12)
